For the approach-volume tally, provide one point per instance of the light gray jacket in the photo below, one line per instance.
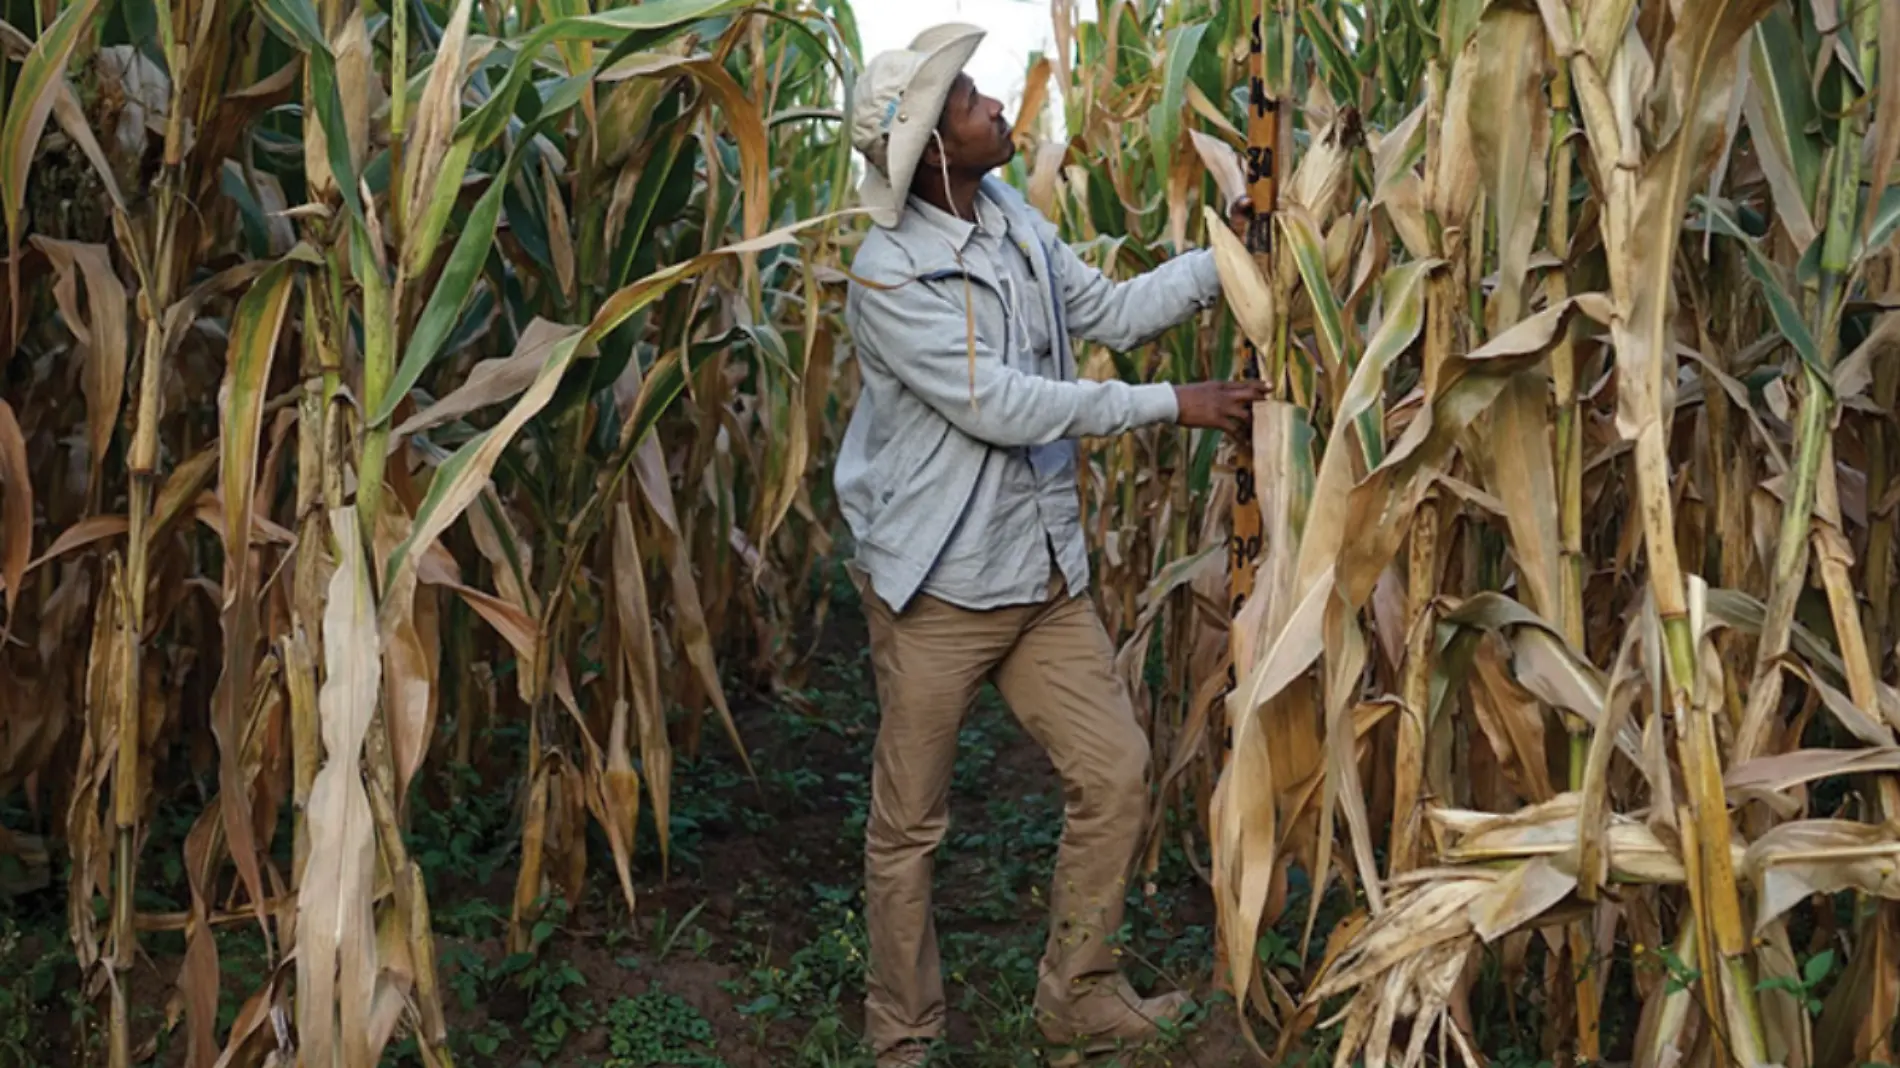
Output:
(926, 417)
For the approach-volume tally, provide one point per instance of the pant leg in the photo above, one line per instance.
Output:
(929, 662)
(1060, 681)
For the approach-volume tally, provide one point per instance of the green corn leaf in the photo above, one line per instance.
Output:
(1165, 121)
(665, 184)
(1783, 122)
(448, 183)
(1880, 229)
(296, 22)
(1309, 251)
(29, 104)
(1781, 304)
(1334, 62)
(634, 28)
(446, 300)
(1404, 291)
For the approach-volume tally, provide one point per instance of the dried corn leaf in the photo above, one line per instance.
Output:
(1510, 137)
(336, 950)
(1778, 774)
(1795, 861)
(1886, 113)
(1242, 284)
(1380, 506)
(101, 330)
(1513, 722)
(635, 621)
(490, 381)
(1525, 893)
(16, 509)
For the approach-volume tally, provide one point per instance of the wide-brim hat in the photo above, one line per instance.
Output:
(900, 98)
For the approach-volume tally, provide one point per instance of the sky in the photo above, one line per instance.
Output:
(1016, 28)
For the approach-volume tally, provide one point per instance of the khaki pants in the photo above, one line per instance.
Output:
(1054, 665)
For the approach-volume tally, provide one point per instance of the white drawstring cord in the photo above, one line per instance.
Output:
(969, 297)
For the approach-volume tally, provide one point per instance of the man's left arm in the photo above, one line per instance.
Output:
(1127, 315)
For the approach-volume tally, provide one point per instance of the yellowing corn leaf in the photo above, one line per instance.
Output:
(254, 331)
(411, 652)
(1603, 23)
(1340, 785)
(355, 83)
(1045, 176)
(88, 531)
(634, 616)
(1700, 63)
(1243, 849)
(461, 477)
(1422, 917)
(198, 976)
(430, 168)
(560, 235)
(1035, 97)
(1778, 104)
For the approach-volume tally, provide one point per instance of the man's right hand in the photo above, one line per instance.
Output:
(1224, 406)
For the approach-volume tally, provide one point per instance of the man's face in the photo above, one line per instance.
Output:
(975, 135)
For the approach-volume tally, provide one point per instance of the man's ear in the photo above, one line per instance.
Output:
(933, 153)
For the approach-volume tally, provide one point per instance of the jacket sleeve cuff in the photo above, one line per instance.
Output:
(1155, 404)
(1206, 278)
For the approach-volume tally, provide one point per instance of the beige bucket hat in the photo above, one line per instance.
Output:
(900, 97)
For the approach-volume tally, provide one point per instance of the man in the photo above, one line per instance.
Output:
(957, 476)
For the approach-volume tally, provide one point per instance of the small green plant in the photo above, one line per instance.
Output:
(1806, 986)
(1681, 976)
(657, 1028)
(667, 934)
(487, 1040)
(815, 983)
(29, 987)
(465, 841)
(17, 1001)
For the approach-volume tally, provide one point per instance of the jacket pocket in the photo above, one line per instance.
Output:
(899, 464)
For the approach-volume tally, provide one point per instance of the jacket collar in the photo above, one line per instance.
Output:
(934, 240)
(991, 218)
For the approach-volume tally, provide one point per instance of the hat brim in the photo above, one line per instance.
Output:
(922, 108)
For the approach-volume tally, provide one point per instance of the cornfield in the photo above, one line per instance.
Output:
(443, 366)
